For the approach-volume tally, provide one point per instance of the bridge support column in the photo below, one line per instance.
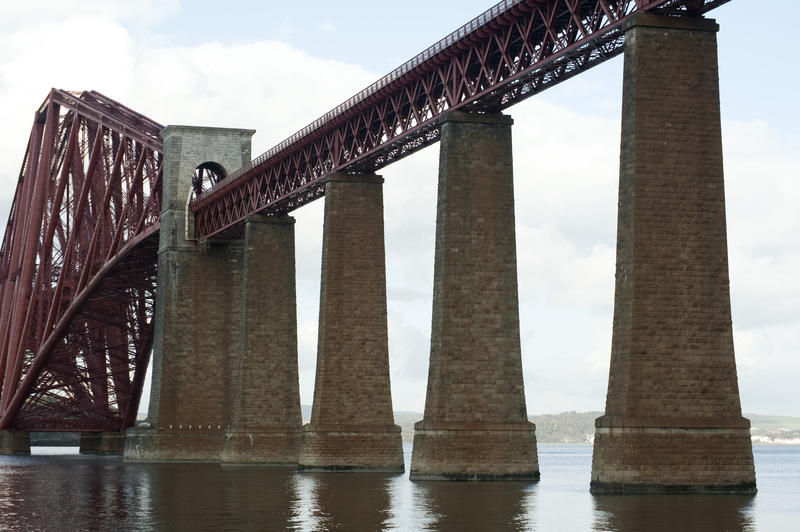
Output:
(102, 443)
(266, 423)
(475, 424)
(352, 424)
(198, 311)
(15, 442)
(673, 421)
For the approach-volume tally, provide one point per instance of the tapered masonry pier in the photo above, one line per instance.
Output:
(673, 420)
(266, 421)
(352, 424)
(475, 424)
(225, 331)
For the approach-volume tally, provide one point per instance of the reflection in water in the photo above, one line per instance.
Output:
(687, 513)
(39, 493)
(236, 498)
(305, 504)
(348, 501)
(104, 493)
(458, 506)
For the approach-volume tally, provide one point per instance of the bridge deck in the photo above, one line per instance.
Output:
(512, 51)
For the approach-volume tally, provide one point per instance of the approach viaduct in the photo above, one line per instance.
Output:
(127, 237)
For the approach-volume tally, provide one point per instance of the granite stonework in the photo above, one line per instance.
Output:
(673, 421)
(266, 422)
(106, 443)
(352, 423)
(475, 424)
(208, 325)
(15, 442)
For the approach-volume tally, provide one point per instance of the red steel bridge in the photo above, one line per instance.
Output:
(78, 259)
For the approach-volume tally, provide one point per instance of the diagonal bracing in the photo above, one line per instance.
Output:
(78, 267)
(512, 51)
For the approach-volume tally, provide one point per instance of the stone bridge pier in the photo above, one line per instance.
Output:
(475, 424)
(352, 423)
(224, 384)
(673, 422)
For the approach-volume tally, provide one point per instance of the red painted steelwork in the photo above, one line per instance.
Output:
(78, 267)
(511, 52)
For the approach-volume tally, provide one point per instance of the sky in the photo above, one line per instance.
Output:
(277, 66)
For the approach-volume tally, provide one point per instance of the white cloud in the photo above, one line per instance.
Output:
(80, 51)
(566, 171)
(762, 191)
(267, 85)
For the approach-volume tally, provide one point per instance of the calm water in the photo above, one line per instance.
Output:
(64, 492)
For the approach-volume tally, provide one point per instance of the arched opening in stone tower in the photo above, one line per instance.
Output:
(206, 176)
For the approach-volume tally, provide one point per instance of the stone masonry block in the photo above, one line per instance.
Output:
(15, 442)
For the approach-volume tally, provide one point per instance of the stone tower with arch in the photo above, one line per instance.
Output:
(208, 376)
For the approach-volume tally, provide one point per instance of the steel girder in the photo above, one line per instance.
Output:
(511, 52)
(78, 267)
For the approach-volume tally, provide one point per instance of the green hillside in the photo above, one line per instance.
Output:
(574, 427)
(768, 423)
(566, 427)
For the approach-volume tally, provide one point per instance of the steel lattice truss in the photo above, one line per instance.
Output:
(511, 52)
(78, 267)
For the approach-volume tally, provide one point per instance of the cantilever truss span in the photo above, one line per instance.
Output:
(511, 52)
(78, 267)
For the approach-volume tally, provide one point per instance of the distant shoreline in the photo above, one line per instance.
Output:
(566, 427)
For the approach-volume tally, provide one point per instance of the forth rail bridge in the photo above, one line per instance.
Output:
(127, 238)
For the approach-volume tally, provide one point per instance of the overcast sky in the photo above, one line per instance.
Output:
(276, 66)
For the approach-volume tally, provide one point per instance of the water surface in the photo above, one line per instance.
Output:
(51, 490)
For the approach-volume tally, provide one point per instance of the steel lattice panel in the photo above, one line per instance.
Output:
(513, 51)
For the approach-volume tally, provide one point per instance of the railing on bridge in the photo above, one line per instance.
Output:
(511, 52)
